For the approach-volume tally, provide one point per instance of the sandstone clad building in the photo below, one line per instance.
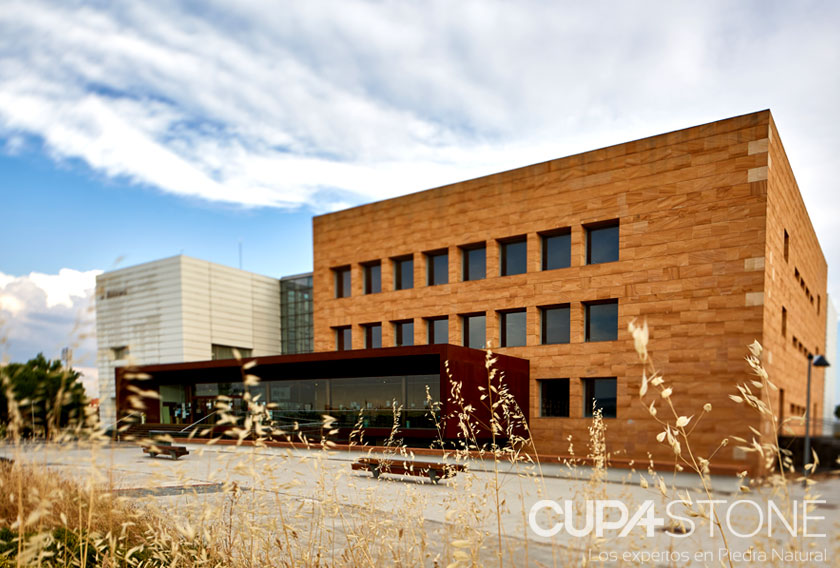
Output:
(702, 232)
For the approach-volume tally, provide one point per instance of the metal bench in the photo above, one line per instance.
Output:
(433, 470)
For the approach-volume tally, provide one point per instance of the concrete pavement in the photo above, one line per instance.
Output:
(285, 479)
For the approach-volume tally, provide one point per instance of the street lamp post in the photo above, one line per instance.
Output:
(818, 361)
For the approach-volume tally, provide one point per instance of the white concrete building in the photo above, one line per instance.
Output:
(829, 394)
(181, 309)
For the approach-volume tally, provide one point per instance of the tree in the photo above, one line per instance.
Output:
(47, 396)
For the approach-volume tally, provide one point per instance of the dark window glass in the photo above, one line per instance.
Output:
(514, 257)
(342, 397)
(229, 352)
(373, 278)
(602, 244)
(787, 246)
(781, 405)
(600, 393)
(475, 263)
(438, 330)
(475, 331)
(121, 352)
(513, 328)
(438, 268)
(554, 397)
(373, 336)
(343, 338)
(403, 273)
(404, 333)
(342, 282)
(602, 321)
(784, 321)
(555, 324)
(556, 250)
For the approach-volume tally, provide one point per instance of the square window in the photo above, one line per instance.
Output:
(475, 262)
(513, 328)
(373, 277)
(602, 243)
(342, 282)
(555, 324)
(554, 398)
(600, 393)
(403, 273)
(601, 320)
(404, 333)
(120, 353)
(438, 330)
(373, 335)
(229, 352)
(475, 331)
(514, 256)
(556, 249)
(437, 268)
(343, 338)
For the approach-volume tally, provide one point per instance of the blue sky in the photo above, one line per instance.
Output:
(134, 131)
(74, 217)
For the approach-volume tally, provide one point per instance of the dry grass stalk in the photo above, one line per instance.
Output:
(265, 522)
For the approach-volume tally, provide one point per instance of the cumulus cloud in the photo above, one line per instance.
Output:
(48, 312)
(328, 104)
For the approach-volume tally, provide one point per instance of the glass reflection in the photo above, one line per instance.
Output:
(602, 322)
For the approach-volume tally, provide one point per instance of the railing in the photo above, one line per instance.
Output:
(127, 416)
(372, 418)
(794, 423)
(198, 421)
(311, 420)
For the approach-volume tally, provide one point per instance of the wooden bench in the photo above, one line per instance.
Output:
(173, 452)
(433, 470)
(165, 447)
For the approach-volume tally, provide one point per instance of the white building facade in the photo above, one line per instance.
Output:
(181, 309)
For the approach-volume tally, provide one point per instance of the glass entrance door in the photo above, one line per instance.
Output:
(204, 406)
(174, 408)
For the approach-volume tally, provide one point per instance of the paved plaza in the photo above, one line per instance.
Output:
(302, 479)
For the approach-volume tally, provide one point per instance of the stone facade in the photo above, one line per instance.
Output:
(702, 216)
(174, 310)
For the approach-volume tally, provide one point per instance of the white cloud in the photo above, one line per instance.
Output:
(322, 104)
(66, 287)
(9, 303)
(47, 312)
(89, 379)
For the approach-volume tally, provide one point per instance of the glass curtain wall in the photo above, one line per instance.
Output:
(296, 328)
(304, 402)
